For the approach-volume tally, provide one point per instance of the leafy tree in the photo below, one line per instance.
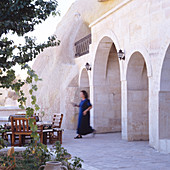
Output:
(20, 17)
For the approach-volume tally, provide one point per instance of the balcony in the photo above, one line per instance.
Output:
(82, 46)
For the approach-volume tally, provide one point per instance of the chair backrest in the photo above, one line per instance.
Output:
(57, 120)
(20, 114)
(20, 124)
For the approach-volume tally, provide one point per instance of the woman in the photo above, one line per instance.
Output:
(85, 106)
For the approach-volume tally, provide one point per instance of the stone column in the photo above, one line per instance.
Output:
(124, 109)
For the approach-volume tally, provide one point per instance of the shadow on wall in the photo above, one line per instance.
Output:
(137, 99)
(164, 99)
(107, 88)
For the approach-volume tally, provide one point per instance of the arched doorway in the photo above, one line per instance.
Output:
(107, 88)
(164, 99)
(137, 99)
(84, 81)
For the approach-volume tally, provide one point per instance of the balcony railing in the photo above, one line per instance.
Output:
(82, 46)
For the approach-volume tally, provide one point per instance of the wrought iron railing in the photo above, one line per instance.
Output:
(82, 46)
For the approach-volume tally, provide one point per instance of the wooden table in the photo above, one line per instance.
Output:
(46, 129)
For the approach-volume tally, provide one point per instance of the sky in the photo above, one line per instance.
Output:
(47, 28)
(44, 30)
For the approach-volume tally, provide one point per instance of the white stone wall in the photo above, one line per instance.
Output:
(135, 26)
(6, 111)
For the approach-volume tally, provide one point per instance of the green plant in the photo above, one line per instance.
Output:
(3, 143)
(38, 154)
(61, 152)
(74, 164)
(33, 157)
(63, 156)
(6, 162)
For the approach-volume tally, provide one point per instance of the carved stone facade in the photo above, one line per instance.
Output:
(130, 96)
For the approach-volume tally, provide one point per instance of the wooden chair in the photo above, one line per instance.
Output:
(56, 126)
(20, 127)
(57, 120)
(10, 132)
(20, 113)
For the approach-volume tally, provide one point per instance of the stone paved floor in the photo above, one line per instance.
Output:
(108, 151)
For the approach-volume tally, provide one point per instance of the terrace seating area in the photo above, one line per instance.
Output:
(16, 130)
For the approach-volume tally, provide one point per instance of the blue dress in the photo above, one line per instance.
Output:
(84, 127)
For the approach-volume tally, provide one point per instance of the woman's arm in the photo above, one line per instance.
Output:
(75, 105)
(88, 109)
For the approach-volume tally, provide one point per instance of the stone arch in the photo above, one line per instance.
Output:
(163, 52)
(146, 57)
(111, 35)
(98, 38)
(137, 98)
(164, 98)
(106, 87)
(84, 82)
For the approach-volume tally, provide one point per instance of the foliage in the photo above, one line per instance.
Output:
(6, 162)
(74, 164)
(63, 156)
(36, 155)
(33, 157)
(20, 17)
(61, 153)
(3, 129)
(3, 143)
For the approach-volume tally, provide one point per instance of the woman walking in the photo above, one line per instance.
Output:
(85, 106)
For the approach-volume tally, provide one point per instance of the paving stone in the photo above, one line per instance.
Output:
(108, 151)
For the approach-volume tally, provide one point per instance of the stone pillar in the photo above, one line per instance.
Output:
(92, 110)
(124, 109)
(153, 114)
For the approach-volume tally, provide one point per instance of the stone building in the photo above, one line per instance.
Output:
(129, 95)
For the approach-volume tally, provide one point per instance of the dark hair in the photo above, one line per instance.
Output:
(85, 94)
